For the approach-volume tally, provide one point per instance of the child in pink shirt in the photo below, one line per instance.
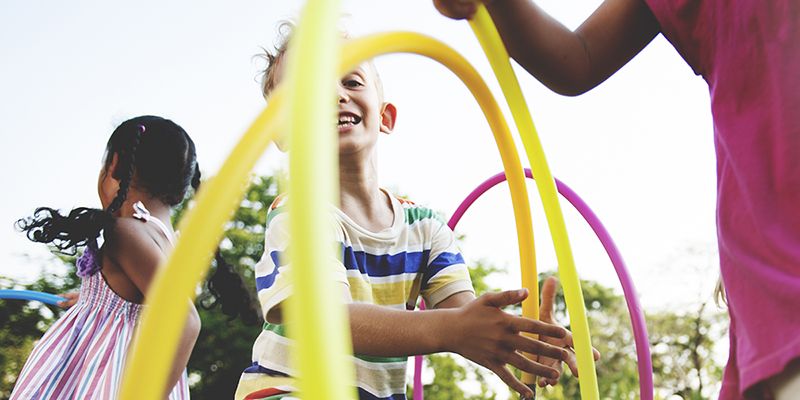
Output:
(748, 51)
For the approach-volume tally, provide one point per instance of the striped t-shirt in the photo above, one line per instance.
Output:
(416, 256)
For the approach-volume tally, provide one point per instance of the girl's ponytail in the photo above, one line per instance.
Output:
(82, 226)
(226, 287)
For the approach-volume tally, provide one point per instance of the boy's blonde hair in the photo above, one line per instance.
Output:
(268, 80)
(275, 58)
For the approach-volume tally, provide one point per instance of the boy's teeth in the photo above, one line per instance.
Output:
(347, 119)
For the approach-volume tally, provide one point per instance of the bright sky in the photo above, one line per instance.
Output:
(638, 149)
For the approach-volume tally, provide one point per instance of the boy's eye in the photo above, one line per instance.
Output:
(351, 83)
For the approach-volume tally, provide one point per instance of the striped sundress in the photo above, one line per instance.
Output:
(82, 356)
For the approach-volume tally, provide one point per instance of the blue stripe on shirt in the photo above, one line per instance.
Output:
(264, 282)
(441, 262)
(385, 264)
(365, 395)
(378, 265)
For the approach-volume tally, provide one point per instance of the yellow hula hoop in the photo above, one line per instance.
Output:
(324, 370)
(161, 324)
(201, 230)
(203, 227)
(492, 45)
(410, 42)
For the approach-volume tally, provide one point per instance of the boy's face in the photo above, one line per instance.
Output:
(362, 113)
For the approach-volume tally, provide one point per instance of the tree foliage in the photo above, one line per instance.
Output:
(682, 348)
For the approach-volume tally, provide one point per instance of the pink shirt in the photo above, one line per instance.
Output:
(749, 53)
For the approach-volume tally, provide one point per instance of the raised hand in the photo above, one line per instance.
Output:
(565, 342)
(482, 332)
(456, 9)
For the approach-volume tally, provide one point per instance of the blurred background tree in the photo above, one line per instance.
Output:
(682, 347)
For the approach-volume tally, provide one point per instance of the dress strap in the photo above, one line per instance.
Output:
(143, 214)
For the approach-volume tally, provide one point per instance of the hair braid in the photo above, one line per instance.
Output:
(127, 163)
(196, 177)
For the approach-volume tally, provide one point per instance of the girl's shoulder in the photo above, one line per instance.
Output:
(130, 236)
(135, 248)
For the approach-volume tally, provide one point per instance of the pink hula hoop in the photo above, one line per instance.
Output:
(645, 364)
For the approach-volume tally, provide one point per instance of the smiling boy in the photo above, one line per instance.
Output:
(393, 251)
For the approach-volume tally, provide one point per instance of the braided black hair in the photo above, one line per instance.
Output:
(226, 287)
(157, 156)
(153, 153)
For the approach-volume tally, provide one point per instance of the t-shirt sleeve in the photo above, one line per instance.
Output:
(446, 273)
(272, 280)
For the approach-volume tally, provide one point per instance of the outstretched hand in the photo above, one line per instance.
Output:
(482, 332)
(456, 9)
(565, 342)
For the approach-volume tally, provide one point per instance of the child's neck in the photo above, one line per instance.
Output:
(361, 198)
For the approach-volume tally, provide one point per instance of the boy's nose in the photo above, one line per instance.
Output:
(342, 94)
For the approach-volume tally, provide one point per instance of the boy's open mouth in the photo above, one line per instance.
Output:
(347, 119)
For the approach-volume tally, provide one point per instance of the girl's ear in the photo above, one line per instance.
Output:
(111, 170)
(107, 184)
(388, 118)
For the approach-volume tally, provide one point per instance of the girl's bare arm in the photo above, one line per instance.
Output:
(568, 62)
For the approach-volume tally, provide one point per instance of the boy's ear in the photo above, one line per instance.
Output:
(281, 143)
(388, 118)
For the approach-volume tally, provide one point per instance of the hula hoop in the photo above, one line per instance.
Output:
(47, 298)
(644, 364)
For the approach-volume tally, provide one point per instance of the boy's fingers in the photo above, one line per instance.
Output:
(525, 364)
(506, 376)
(522, 324)
(572, 362)
(546, 381)
(503, 299)
(538, 347)
(568, 340)
(548, 299)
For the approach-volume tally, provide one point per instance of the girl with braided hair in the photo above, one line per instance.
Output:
(149, 165)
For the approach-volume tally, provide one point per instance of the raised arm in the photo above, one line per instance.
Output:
(567, 62)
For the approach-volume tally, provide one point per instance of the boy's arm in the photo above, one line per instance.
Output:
(567, 62)
(479, 331)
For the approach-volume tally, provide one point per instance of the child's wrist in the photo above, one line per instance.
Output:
(445, 336)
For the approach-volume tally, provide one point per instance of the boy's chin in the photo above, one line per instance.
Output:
(349, 147)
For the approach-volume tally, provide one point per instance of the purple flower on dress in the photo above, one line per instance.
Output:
(87, 263)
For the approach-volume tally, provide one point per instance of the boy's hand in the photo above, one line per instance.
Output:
(456, 9)
(69, 300)
(546, 315)
(482, 332)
